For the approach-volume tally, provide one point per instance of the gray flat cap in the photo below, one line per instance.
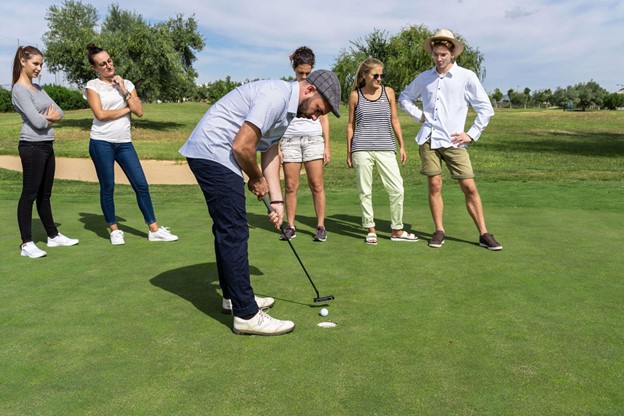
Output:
(327, 84)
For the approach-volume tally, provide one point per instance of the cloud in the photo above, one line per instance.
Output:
(517, 12)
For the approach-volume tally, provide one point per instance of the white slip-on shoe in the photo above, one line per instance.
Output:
(61, 241)
(262, 324)
(263, 303)
(117, 237)
(162, 234)
(31, 250)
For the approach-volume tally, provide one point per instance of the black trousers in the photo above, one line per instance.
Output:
(38, 165)
(224, 191)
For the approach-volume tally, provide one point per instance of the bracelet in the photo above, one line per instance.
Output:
(127, 96)
(277, 202)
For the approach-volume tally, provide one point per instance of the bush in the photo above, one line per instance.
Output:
(65, 98)
(5, 101)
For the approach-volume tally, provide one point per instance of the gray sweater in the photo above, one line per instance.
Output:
(32, 105)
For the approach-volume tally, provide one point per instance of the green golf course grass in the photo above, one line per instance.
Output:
(535, 329)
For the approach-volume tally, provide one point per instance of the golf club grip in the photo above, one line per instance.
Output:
(267, 202)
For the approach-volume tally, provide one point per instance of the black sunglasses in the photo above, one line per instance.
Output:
(376, 76)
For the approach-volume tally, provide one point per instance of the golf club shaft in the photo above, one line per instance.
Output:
(267, 202)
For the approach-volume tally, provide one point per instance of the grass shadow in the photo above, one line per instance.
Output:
(85, 124)
(97, 225)
(199, 285)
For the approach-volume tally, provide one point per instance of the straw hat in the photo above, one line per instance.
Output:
(444, 34)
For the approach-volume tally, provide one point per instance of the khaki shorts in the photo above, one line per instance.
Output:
(456, 158)
(302, 148)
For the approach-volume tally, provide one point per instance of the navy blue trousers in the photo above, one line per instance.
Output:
(224, 191)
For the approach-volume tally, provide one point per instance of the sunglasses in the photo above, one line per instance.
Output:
(378, 76)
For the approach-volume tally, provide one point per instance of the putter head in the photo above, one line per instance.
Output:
(323, 299)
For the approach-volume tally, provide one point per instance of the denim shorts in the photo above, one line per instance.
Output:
(302, 148)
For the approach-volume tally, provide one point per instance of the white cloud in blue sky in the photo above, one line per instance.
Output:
(530, 43)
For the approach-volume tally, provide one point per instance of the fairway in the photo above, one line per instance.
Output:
(535, 329)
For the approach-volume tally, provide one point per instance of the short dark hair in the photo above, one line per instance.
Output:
(302, 56)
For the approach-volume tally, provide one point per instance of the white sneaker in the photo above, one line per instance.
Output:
(262, 324)
(117, 237)
(31, 250)
(162, 234)
(226, 305)
(61, 241)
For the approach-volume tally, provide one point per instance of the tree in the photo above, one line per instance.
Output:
(497, 96)
(613, 101)
(527, 96)
(402, 54)
(157, 58)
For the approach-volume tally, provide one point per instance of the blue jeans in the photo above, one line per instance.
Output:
(104, 155)
(38, 165)
(224, 191)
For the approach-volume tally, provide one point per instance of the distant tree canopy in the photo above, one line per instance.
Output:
(158, 58)
(402, 54)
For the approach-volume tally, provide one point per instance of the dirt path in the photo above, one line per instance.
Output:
(158, 172)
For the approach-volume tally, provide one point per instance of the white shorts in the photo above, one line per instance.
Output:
(302, 148)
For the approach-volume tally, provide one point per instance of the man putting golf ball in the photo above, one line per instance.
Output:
(324, 312)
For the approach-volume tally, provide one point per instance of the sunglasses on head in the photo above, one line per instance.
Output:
(378, 76)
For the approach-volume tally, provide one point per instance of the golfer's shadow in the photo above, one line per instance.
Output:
(97, 225)
(198, 284)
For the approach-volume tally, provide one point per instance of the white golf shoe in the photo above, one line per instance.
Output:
(262, 324)
(226, 305)
(31, 250)
(61, 241)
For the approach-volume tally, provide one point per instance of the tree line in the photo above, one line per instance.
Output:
(159, 59)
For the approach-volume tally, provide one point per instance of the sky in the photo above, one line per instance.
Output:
(537, 44)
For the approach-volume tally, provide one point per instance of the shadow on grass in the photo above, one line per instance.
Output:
(97, 225)
(85, 124)
(199, 285)
(578, 143)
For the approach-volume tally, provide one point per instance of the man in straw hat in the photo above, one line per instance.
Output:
(222, 147)
(445, 91)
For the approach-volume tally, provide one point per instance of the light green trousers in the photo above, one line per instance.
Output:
(388, 168)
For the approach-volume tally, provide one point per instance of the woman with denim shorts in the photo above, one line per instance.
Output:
(112, 100)
(306, 141)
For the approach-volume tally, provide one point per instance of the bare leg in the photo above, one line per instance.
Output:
(473, 203)
(291, 183)
(436, 204)
(314, 170)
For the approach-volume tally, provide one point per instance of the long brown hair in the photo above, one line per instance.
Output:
(26, 53)
(364, 68)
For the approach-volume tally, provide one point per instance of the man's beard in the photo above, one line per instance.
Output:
(303, 108)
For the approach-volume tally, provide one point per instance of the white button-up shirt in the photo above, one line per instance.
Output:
(445, 99)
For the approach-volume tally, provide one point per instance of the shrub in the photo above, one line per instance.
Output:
(5, 101)
(65, 98)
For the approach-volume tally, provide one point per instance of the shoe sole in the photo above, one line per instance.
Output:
(284, 239)
(62, 245)
(404, 239)
(436, 245)
(497, 248)
(34, 257)
(243, 332)
(162, 239)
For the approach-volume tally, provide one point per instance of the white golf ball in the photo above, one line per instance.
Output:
(324, 312)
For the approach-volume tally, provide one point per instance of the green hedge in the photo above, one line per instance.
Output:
(5, 101)
(64, 97)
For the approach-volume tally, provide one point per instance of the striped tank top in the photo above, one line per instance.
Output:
(373, 126)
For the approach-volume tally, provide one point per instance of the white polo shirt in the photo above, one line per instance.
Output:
(269, 105)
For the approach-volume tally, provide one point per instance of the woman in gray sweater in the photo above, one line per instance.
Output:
(38, 112)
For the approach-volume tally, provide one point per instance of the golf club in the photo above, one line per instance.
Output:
(318, 297)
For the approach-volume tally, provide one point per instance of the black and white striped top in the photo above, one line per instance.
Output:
(373, 126)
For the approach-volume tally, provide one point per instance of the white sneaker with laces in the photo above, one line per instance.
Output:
(162, 234)
(117, 237)
(61, 241)
(226, 305)
(31, 250)
(262, 324)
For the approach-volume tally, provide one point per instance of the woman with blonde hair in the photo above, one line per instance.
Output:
(370, 142)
